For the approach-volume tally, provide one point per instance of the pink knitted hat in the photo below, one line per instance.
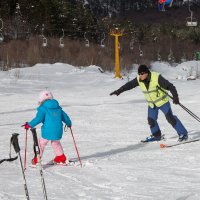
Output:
(44, 95)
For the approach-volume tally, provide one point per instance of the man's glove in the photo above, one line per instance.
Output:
(116, 92)
(26, 126)
(176, 100)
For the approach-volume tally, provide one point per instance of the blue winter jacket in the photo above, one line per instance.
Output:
(51, 115)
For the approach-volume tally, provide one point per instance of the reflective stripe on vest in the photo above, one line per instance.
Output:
(153, 95)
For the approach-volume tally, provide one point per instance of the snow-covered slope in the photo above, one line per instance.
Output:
(107, 130)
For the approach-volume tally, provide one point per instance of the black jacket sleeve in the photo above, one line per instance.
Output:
(167, 85)
(128, 86)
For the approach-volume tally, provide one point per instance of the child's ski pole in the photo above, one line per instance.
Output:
(15, 143)
(25, 149)
(76, 147)
(37, 152)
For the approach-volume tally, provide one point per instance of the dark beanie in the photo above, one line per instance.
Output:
(143, 68)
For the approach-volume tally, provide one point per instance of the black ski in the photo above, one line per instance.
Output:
(37, 154)
(15, 143)
(179, 143)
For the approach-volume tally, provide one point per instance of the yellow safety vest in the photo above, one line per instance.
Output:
(153, 95)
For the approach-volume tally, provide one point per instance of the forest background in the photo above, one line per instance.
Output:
(78, 32)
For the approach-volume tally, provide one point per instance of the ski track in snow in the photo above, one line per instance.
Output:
(116, 166)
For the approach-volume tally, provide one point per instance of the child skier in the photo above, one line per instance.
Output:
(51, 115)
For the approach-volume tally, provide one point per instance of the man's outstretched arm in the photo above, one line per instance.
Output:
(128, 86)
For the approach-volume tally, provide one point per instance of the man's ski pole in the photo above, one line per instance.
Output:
(37, 152)
(76, 147)
(182, 106)
(25, 149)
(15, 143)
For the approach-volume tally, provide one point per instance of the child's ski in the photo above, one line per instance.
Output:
(37, 152)
(70, 163)
(179, 143)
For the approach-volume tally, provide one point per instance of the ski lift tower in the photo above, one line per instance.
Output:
(116, 32)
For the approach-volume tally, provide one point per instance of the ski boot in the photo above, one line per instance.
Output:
(183, 138)
(34, 162)
(152, 138)
(60, 160)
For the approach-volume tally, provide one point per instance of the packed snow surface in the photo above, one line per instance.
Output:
(107, 130)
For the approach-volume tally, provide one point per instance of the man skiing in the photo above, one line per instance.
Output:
(153, 86)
